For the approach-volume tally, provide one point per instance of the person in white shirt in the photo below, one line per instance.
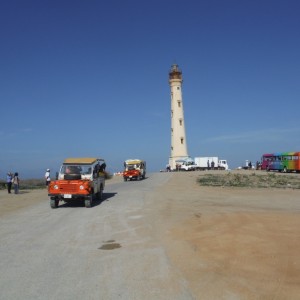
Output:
(47, 177)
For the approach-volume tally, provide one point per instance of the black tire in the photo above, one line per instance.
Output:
(88, 201)
(54, 203)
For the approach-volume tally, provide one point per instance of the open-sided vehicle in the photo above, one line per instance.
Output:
(78, 179)
(134, 169)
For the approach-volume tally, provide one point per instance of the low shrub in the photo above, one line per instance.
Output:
(271, 180)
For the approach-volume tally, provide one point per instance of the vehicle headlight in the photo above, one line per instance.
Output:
(81, 187)
(56, 187)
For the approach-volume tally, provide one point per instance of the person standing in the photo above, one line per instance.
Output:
(250, 165)
(47, 177)
(9, 179)
(16, 182)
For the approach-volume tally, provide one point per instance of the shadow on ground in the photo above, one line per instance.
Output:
(80, 203)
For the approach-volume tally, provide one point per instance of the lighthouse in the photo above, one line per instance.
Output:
(178, 138)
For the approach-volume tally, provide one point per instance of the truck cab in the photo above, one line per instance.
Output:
(78, 179)
(134, 169)
(222, 165)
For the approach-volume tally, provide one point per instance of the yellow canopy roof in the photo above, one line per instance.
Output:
(80, 160)
(133, 161)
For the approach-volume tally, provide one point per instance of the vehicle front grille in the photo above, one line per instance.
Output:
(68, 188)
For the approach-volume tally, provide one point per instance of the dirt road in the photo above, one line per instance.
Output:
(162, 238)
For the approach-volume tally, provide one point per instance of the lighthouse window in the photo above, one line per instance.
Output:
(179, 104)
(180, 122)
(181, 140)
(178, 88)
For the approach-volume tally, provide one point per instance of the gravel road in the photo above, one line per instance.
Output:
(164, 237)
(106, 252)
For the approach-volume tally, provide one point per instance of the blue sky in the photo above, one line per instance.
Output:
(90, 78)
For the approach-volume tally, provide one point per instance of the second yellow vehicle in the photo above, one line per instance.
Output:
(134, 169)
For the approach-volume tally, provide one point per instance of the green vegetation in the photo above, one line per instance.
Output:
(2, 185)
(33, 184)
(27, 184)
(269, 180)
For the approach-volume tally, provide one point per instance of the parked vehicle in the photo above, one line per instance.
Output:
(265, 159)
(186, 164)
(211, 162)
(78, 179)
(134, 169)
(248, 165)
(281, 161)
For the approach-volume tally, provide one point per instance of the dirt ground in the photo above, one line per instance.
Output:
(232, 243)
(228, 243)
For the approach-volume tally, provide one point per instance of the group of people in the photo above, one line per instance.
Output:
(210, 166)
(13, 180)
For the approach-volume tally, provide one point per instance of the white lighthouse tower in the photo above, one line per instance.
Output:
(178, 138)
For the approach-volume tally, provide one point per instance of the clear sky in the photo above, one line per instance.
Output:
(90, 78)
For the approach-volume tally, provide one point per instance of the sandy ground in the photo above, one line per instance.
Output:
(228, 243)
(232, 243)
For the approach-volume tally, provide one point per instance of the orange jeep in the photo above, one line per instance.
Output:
(78, 178)
(134, 169)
